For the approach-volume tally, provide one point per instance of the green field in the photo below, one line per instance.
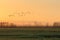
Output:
(29, 33)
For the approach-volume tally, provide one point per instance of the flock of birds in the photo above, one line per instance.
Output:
(19, 14)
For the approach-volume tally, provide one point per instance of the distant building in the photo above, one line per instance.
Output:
(56, 24)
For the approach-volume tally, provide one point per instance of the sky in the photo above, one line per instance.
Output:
(17, 11)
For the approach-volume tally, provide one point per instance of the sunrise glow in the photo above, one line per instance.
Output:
(17, 11)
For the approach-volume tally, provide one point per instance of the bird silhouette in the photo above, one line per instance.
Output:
(28, 12)
(10, 15)
(19, 14)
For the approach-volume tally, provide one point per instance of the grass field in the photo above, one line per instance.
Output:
(30, 33)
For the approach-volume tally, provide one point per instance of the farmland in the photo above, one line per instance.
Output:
(27, 33)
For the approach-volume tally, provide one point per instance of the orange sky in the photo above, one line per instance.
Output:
(39, 10)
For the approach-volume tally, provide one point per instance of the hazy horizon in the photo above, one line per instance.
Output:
(32, 10)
